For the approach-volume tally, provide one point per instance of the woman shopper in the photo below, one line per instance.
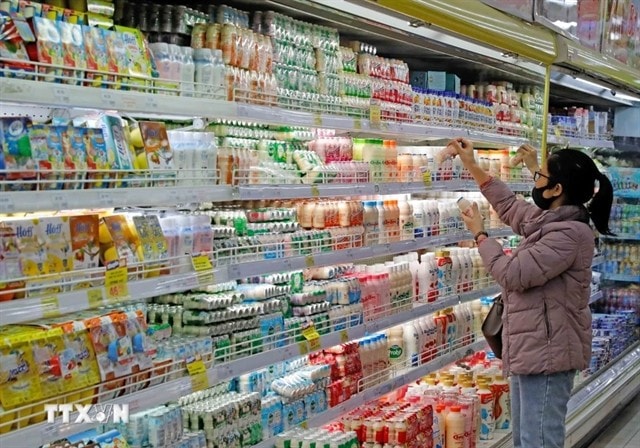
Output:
(545, 282)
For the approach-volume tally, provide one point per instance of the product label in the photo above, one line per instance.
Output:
(501, 407)
(395, 352)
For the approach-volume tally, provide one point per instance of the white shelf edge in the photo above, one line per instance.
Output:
(33, 201)
(24, 310)
(622, 236)
(621, 278)
(24, 91)
(580, 142)
(262, 267)
(372, 393)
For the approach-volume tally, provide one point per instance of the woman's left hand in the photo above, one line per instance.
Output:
(474, 220)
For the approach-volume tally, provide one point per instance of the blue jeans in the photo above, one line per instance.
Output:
(539, 409)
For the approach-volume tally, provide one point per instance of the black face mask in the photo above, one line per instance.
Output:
(540, 200)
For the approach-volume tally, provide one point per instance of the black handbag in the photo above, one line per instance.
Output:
(492, 327)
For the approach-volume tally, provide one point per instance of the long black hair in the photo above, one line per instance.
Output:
(578, 174)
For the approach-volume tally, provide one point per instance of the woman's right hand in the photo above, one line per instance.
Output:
(529, 157)
(464, 149)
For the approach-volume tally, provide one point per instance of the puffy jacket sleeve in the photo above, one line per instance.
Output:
(534, 266)
(512, 211)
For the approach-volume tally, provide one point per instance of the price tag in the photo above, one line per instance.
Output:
(198, 373)
(96, 299)
(50, 307)
(60, 201)
(150, 103)
(106, 199)
(311, 335)
(51, 431)
(375, 114)
(309, 261)
(196, 367)
(201, 263)
(7, 204)
(317, 119)
(116, 283)
(357, 124)
(204, 270)
(344, 336)
(426, 178)
(303, 347)
(109, 100)
(315, 344)
(61, 95)
(315, 192)
(557, 131)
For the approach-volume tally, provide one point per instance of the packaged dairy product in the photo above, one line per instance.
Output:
(502, 403)
(485, 395)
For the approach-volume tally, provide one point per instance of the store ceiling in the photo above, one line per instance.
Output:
(419, 52)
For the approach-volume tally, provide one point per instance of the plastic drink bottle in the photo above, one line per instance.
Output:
(444, 264)
(397, 354)
(469, 392)
(465, 206)
(412, 343)
(487, 424)
(502, 403)
(439, 427)
(455, 425)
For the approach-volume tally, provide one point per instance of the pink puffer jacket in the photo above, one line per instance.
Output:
(545, 284)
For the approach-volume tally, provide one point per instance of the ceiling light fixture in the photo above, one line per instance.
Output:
(591, 87)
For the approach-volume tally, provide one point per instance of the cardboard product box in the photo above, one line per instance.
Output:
(49, 43)
(418, 79)
(453, 83)
(437, 81)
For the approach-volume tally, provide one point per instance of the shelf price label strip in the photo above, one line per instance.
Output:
(117, 288)
(13, 312)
